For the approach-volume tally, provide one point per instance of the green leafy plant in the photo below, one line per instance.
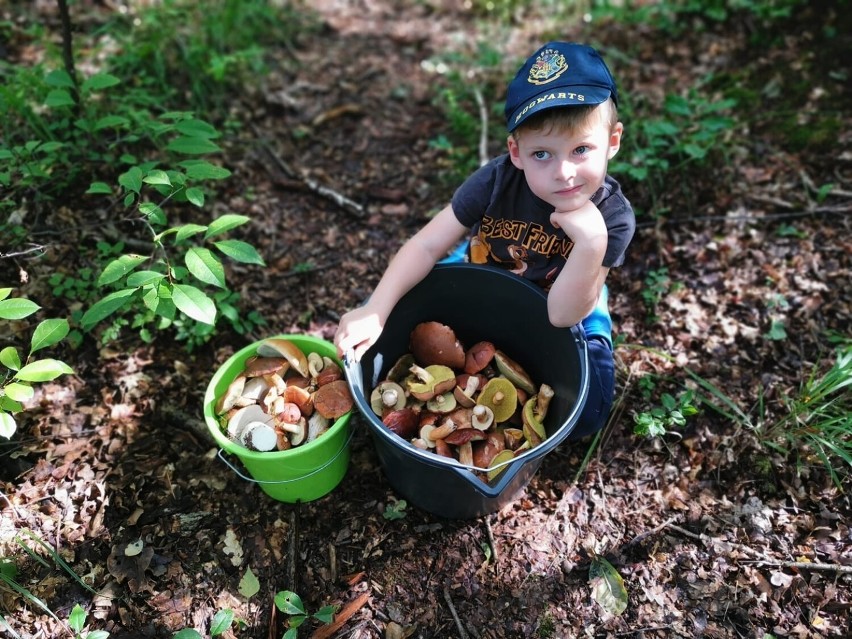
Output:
(77, 621)
(220, 624)
(19, 375)
(657, 285)
(182, 279)
(395, 510)
(671, 413)
(291, 605)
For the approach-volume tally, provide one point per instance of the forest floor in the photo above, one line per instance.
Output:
(713, 533)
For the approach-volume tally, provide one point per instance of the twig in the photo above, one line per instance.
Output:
(324, 632)
(35, 249)
(483, 132)
(762, 559)
(647, 533)
(291, 549)
(462, 632)
(490, 533)
(341, 200)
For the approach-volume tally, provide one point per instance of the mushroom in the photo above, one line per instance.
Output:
(436, 343)
(485, 451)
(443, 403)
(334, 399)
(426, 431)
(259, 436)
(244, 416)
(513, 372)
(234, 391)
(255, 388)
(315, 364)
(464, 435)
(482, 417)
(257, 366)
(513, 437)
(464, 394)
(400, 370)
(533, 426)
(317, 425)
(501, 397)
(403, 422)
(330, 372)
(301, 398)
(443, 449)
(431, 381)
(279, 347)
(498, 463)
(445, 429)
(545, 394)
(466, 454)
(387, 396)
(298, 431)
(478, 357)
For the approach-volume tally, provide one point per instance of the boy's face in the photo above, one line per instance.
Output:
(566, 168)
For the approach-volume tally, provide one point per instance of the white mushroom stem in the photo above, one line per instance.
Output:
(466, 454)
(449, 426)
(259, 436)
(426, 435)
(542, 403)
(471, 386)
(422, 374)
(482, 417)
(275, 380)
(390, 397)
(290, 428)
(315, 364)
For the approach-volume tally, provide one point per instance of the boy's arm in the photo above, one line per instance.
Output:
(575, 292)
(360, 328)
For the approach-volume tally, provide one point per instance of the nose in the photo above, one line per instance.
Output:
(565, 170)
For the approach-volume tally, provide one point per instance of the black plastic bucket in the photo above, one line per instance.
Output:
(478, 303)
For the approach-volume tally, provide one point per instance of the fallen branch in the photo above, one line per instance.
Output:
(483, 132)
(491, 543)
(462, 632)
(324, 632)
(320, 189)
(762, 559)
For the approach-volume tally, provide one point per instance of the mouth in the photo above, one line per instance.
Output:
(573, 190)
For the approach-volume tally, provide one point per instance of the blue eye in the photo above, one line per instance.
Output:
(581, 150)
(541, 155)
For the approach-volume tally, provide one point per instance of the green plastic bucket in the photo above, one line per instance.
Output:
(303, 473)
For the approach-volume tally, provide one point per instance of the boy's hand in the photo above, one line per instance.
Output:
(582, 224)
(358, 330)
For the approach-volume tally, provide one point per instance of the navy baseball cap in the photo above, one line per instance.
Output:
(558, 74)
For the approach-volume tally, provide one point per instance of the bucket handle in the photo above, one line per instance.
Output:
(286, 481)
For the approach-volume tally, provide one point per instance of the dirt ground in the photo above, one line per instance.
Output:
(713, 535)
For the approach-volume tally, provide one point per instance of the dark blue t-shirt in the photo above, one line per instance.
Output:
(511, 226)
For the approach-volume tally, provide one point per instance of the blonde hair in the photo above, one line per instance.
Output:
(567, 118)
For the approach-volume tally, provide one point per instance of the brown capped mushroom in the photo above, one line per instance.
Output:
(257, 366)
(333, 400)
(484, 451)
(330, 372)
(234, 391)
(279, 347)
(464, 393)
(403, 422)
(436, 343)
(301, 398)
(466, 454)
(478, 357)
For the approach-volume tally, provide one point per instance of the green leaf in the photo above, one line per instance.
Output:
(111, 122)
(240, 251)
(225, 223)
(326, 614)
(192, 146)
(17, 308)
(10, 405)
(120, 267)
(99, 81)
(98, 634)
(19, 392)
(607, 586)
(48, 333)
(105, 307)
(193, 303)
(43, 370)
(143, 278)
(7, 425)
(195, 196)
(5, 292)
(131, 180)
(59, 98)
(249, 585)
(157, 176)
(10, 359)
(222, 621)
(203, 170)
(77, 618)
(153, 212)
(289, 603)
(99, 188)
(292, 633)
(59, 78)
(204, 265)
(197, 129)
(187, 231)
(187, 633)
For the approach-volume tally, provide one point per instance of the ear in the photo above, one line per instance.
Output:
(615, 140)
(514, 152)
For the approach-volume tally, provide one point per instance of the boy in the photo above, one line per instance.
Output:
(546, 210)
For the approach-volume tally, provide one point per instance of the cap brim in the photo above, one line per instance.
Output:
(577, 96)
